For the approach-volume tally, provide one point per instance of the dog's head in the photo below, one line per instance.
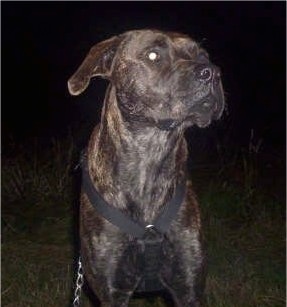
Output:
(161, 78)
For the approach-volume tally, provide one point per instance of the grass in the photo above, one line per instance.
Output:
(244, 227)
(247, 259)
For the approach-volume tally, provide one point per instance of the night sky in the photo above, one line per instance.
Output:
(43, 43)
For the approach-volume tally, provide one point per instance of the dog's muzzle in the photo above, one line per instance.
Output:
(209, 97)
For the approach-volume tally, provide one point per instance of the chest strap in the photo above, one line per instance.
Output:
(161, 223)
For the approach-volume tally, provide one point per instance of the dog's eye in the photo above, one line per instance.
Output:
(153, 56)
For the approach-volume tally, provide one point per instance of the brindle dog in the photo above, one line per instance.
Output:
(160, 84)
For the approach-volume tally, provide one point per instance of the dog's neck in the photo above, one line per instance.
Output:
(143, 166)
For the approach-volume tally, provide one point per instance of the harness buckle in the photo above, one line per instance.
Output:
(152, 235)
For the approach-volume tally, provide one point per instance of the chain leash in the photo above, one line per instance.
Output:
(79, 284)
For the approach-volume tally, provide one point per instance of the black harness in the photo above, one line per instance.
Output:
(150, 236)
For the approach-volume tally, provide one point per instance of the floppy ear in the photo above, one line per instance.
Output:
(97, 63)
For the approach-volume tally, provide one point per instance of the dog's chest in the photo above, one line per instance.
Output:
(144, 258)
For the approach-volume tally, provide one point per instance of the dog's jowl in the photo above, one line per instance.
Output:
(140, 226)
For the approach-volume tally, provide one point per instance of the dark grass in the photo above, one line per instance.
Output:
(244, 227)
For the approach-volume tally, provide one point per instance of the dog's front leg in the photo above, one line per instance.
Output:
(186, 290)
(110, 291)
(185, 270)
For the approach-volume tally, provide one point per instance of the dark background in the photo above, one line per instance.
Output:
(43, 43)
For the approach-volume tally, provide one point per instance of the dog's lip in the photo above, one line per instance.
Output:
(203, 123)
(200, 119)
(219, 103)
(209, 109)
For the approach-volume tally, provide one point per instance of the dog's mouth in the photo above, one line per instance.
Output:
(203, 119)
(200, 120)
(202, 114)
(167, 124)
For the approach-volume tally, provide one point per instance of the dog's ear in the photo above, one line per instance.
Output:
(97, 63)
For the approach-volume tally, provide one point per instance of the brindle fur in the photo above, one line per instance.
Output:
(137, 156)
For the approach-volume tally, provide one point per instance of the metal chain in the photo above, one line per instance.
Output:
(79, 284)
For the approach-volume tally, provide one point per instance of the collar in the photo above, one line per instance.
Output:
(127, 225)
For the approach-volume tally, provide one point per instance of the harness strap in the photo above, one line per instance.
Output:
(110, 213)
(163, 220)
(123, 222)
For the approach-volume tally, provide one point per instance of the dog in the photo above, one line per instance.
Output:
(140, 227)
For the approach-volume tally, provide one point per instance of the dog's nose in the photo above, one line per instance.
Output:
(207, 73)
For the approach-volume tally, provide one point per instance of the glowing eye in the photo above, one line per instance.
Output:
(153, 56)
